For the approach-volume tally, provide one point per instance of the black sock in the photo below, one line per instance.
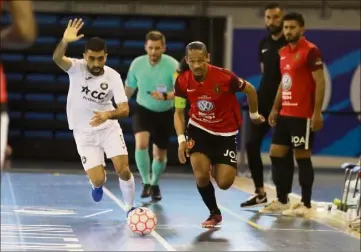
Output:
(278, 179)
(306, 178)
(289, 170)
(209, 198)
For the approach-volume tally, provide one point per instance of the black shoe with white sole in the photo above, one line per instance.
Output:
(255, 200)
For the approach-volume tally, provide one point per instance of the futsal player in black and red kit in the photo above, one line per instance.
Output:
(296, 113)
(213, 124)
(19, 35)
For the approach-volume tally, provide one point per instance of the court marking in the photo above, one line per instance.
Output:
(239, 217)
(159, 238)
(298, 197)
(98, 213)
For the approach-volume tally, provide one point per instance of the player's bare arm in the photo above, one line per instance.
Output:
(179, 125)
(22, 33)
(129, 91)
(319, 78)
(100, 117)
(70, 35)
(276, 107)
(250, 91)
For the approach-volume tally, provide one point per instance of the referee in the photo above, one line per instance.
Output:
(271, 78)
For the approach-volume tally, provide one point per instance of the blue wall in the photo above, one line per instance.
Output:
(341, 135)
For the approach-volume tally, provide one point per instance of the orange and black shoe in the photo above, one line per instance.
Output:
(213, 220)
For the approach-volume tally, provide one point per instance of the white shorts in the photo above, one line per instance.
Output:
(92, 145)
(4, 125)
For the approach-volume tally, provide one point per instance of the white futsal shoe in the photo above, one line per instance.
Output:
(275, 207)
(298, 210)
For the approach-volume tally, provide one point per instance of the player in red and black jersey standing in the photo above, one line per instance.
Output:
(19, 35)
(213, 124)
(296, 113)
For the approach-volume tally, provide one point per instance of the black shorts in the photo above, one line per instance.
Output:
(158, 124)
(293, 131)
(219, 149)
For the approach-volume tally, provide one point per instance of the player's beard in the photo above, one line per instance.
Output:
(292, 39)
(273, 29)
(96, 73)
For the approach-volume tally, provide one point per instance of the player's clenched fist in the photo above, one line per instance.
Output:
(71, 31)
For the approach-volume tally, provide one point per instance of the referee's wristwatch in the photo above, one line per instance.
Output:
(165, 95)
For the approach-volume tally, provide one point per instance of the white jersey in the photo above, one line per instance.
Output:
(88, 93)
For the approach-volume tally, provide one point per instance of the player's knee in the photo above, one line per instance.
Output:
(301, 153)
(278, 150)
(224, 185)
(124, 173)
(202, 180)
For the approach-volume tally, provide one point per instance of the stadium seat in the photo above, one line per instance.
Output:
(38, 134)
(12, 57)
(62, 98)
(40, 58)
(15, 96)
(133, 44)
(40, 78)
(61, 117)
(65, 20)
(14, 76)
(39, 97)
(42, 18)
(176, 46)
(14, 133)
(64, 135)
(15, 114)
(170, 25)
(46, 40)
(63, 79)
(5, 18)
(38, 116)
(144, 24)
(107, 22)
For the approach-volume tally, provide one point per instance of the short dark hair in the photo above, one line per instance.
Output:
(295, 16)
(271, 6)
(96, 44)
(155, 36)
(196, 45)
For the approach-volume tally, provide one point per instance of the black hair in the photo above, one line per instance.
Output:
(195, 45)
(96, 44)
(271, 6)
(183, 66)
(295, 16)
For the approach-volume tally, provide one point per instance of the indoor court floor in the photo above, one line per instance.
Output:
(44, 210)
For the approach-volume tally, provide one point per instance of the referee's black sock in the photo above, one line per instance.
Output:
(306, 178)
(209, 197)
(278, 164)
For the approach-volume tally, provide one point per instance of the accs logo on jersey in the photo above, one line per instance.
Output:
(205, 106)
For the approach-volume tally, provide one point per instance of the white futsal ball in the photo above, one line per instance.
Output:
(142, 221)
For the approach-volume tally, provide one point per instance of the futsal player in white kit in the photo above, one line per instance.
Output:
(91, 114)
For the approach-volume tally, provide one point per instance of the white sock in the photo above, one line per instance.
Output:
(128, 191)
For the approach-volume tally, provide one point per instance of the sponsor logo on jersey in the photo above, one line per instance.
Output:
(205, 106)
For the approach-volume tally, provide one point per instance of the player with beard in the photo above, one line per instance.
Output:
(296, 112)
(271, 77)
(91, 114)
(213, 125)
(153, 75)
(19, 35)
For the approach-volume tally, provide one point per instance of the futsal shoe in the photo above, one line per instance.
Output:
(298, 210)
(255, 200)
(146, 191)
(130, 210)
(155, 192)
(213, 220)
(275, 207)
(97, 194)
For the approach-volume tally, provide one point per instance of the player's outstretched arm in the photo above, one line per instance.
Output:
(70, 35)
(23, 31)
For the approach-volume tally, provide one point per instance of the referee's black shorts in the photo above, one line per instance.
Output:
(294, 132)
(158, 124)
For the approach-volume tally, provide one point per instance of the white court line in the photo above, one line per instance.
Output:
(159, 238)
(99, 213)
